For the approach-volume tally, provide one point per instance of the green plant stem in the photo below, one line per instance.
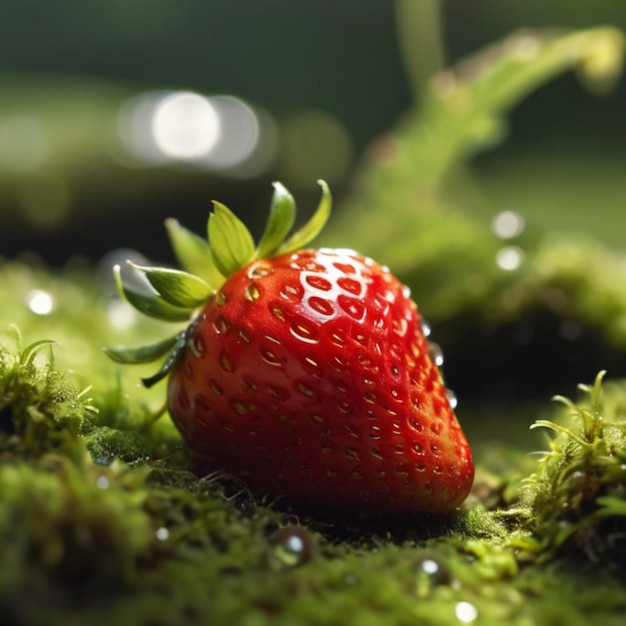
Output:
(418, 24)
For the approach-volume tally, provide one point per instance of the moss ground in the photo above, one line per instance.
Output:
(103, 521)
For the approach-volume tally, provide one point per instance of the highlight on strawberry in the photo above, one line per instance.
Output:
(306, 372)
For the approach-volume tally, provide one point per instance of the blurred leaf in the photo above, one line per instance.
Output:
(401, 213)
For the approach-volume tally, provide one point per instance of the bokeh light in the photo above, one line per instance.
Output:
(40, 302)
(185, 126)
(508, 225)
(220, 133)
(509, 258)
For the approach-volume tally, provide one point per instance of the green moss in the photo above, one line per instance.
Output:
(146, 541)
(39, 407)
(576, 498)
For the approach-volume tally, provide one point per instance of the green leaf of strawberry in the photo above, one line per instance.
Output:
(232, 243)
(150, 305)
(313, 227)
(193, 253)
(141, 354)
(279, 223)
(176, 287)
(305, 372)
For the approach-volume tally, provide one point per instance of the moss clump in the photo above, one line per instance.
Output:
(69, 530)
(39, 406)
(577, 497)
(104, 521)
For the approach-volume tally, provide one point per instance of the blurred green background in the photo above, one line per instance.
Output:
(297, 90)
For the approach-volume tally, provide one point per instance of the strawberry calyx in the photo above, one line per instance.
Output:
(177, 295)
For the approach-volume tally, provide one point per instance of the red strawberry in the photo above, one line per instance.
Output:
(305, 372)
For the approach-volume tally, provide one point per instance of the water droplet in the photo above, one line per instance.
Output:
(430, 572)
(509, 258)
(465, 612)
(220, 298)
(293, 546)
(102, 482)
(162, 533)
(435, 353)
(425, 326)
(40, 302)
(453, 401)
(507, 225)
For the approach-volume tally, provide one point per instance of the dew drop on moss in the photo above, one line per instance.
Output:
(465, 612)
(162, 533)
(102, 482)
(430, 572)
(293, 546)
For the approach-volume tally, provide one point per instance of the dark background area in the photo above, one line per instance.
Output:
(74, 64)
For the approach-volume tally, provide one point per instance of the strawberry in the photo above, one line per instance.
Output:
(305, 372)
